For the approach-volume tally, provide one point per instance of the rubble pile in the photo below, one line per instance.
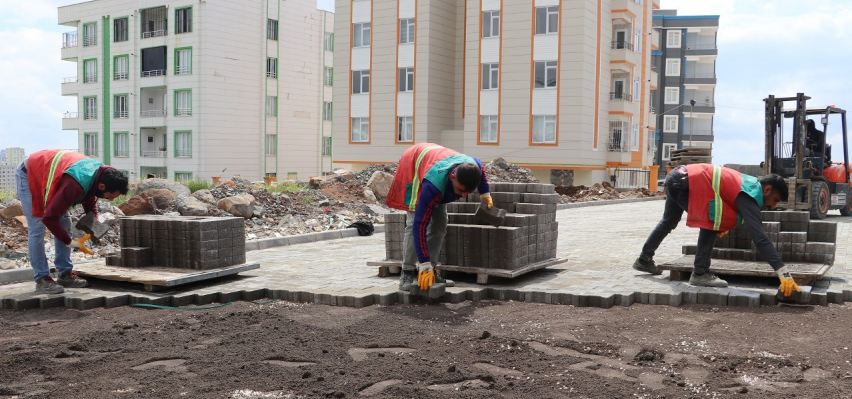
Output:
(499, 170)
(599, 192)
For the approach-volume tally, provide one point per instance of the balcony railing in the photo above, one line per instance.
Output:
(69, 79)
(272, 75)
(692, 74)
(90, 115)
(70, 115)
(622, 45)
(90, 40)
(153, 113)
(619, 135)
(695, 132)
(154, 33)
(69, 39)
(182, 70)
(154, 154)
(183, 111)
(153, 72)
(120, 114)
(700, 101)
(701, 44)
(616, 96)
(655, 68)
(121, 76)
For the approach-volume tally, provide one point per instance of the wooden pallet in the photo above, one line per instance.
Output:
(386, 268)
(157, 278)
(803, 273)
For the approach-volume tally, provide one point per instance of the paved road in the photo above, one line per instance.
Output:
(599, 243)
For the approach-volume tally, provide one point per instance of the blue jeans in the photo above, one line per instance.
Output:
(35, 233)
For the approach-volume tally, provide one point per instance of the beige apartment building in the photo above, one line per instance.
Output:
(549, 84)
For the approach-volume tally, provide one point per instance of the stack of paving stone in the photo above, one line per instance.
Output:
(528, 236)
(796, 237)
(185, 242)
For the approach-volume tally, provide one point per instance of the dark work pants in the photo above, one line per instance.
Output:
(677, 200)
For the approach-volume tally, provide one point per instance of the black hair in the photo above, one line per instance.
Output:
(469, 175)
(113, 181)
(777, 183)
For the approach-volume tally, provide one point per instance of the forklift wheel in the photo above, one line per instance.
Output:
(820, 200)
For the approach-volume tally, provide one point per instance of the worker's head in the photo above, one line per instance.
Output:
(111, 184)
(774, 190)
(465, 178)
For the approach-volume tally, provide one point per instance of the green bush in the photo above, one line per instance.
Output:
(289, 187)
(7, 195)
(120, 200)
(195, 185)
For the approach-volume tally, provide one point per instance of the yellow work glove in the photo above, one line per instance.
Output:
(486, 199)
(788, 285)
(425, 276)
(80, 244)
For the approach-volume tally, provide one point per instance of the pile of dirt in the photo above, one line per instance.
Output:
(600, 191)
(499, 170)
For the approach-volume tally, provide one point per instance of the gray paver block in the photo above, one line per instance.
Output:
(744, 298)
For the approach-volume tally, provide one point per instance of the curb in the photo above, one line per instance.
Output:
(266, 243)
(585, 204)
(16, 275)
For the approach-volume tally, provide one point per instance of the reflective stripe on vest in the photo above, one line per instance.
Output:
(717, 203)
(52, 174)
(415, 182)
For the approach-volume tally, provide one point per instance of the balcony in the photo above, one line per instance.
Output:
(703, 102)
(70, 121)
(152, 113)
(69, 45)
(153, 143)
(153, 72)
(699, 76)
(701, 45)
(69, 86)
(620, 97)
(153, 22)
(619, 136)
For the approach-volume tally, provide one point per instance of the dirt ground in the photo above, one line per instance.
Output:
(471, 350)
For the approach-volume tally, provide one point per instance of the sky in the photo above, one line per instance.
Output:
(779, 47)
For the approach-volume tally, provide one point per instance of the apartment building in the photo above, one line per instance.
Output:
(553, 85)
(685, 51)
(10, 158)
(12, 155)
(192, 89)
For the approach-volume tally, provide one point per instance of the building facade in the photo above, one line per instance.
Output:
(10, 158)
(192, 89)
(685, 53)
(12, 155)
(553, 85)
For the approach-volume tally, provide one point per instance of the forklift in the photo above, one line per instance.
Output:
(815, 183)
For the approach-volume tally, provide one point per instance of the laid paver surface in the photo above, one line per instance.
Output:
(599, 243)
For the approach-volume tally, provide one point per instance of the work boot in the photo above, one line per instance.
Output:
(47, 286)
(441, 280)
(707, 280)
(70, 280)
(646, 265)
(406, 279)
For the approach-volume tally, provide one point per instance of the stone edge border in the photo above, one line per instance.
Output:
(722, 297)
(266, 243)
(584, 204)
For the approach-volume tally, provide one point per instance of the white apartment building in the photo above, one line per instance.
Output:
(189, 89)
(10, 158)
(12, 155)
(553, 85)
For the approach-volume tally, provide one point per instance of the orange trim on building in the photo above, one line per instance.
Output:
(623, 10)
(464, 60)
(639, 154)
(597, 77)
(620, 113)
(363, 162)
(622, 62)
(534, 166)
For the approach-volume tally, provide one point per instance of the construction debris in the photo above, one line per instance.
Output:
(601, 191)
(499, 170)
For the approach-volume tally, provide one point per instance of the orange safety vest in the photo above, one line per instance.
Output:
(713, 192)
(45, 168)
(415, 164)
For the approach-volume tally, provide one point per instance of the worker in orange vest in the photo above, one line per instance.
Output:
(428, 177)
(716, 199)
(48, 183)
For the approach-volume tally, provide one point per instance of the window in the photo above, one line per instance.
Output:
(672, 95)
(673, 38)
(119, 27)
(292, 176)
(326, 146)
(405, 129)
(328, 79)
(271, 29)
(90, 108)
(488, 129)
(90, 70)
(183, 144)
(406, 79)
(490, 76)
(667, 151)
(272, 67)
(183, 20)
(544, 129)
(90, 34)
(90, 144)
(183, 176)
(271, 105)
(361, 34)
(360, 82)
(360, 130)
(327, 110)
(636, 89)
(183, 61)
(328, 42)
(545, 74)
(271, 145)
(546, 20)
(183, 102)
(406, 31)
(673, 67)
(119, 106)
(491, 23)
(634, 138)
(121, 67)
(121, 144)
(670, 123)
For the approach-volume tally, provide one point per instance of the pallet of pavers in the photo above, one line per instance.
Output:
(806, 246)
(166, 251)
(526, 242)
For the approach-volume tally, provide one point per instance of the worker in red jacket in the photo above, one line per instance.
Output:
(49, 182)
(428, 177)
(717, 199)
